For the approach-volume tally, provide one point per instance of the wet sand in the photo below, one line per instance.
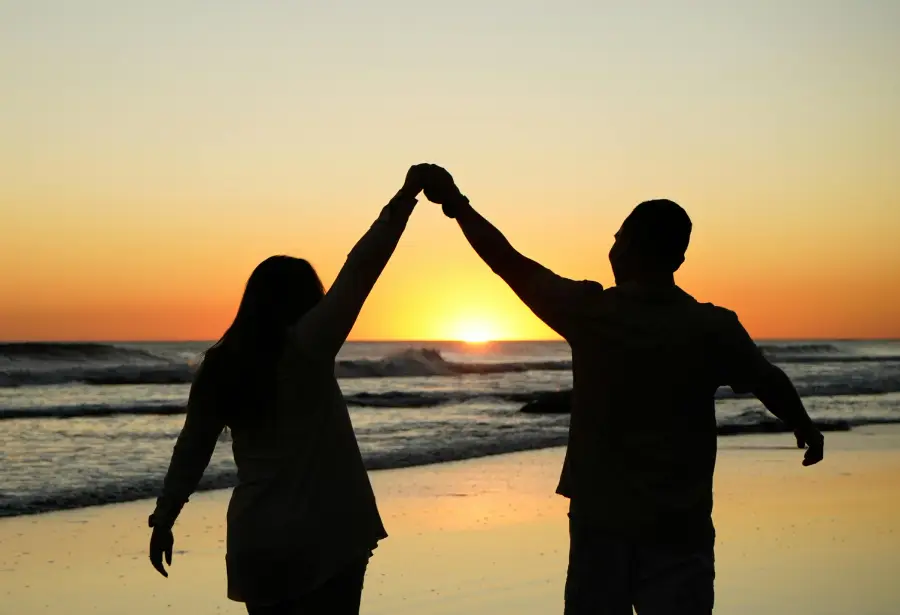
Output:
(489, 536)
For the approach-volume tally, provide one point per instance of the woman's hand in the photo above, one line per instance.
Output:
(415, 181)
(161, 543)
(813, 441)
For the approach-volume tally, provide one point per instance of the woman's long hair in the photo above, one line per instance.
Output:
(238, 373)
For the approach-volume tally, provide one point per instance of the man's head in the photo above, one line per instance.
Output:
(651, 243)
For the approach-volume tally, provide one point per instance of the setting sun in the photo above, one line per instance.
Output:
(475, 332)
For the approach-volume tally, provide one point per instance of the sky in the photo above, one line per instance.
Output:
(152, 153)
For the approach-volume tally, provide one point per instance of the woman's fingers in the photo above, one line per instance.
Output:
(156, 556)
(161, 544)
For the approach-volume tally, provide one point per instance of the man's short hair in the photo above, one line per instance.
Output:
(661, 232)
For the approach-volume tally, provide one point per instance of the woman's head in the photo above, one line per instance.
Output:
(238, 372)
(280, 290)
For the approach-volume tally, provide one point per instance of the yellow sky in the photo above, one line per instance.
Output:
(150, 156)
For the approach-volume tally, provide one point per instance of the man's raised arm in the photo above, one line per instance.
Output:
(553, 298)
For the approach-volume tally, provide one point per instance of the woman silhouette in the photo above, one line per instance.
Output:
(302, 521)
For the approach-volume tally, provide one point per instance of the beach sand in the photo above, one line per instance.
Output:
(489, 536)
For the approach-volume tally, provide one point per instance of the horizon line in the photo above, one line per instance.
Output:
(413, 340)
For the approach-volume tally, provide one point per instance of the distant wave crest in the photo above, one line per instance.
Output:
(142, 369)
(104, 364)
(818, 353)
(70, 351)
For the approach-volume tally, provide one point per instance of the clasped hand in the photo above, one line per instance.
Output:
(437, 184)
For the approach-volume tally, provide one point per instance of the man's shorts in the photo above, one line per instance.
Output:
(610, 574)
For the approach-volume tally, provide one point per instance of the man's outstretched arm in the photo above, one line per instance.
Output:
(747, 370)
(553, 298)
(778, 394)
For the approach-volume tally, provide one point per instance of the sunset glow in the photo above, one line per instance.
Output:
(474, 332)
(149, 162)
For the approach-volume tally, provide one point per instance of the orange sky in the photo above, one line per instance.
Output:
(151, 156)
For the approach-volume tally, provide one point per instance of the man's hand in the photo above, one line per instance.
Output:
(161, 543)
(440, 188)
(813, 441)
(777, 393)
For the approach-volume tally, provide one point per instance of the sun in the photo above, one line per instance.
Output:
(474, 332)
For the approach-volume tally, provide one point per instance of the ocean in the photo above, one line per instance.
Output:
(92, 423)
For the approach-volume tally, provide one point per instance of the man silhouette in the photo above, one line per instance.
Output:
(647, 359)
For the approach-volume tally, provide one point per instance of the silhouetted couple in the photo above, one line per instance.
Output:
(647, 361)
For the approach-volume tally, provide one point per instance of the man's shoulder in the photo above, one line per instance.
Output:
(593, 287)
(715, 317)
(718, 319)
(705, 307)
(585, 289)
(713, 310)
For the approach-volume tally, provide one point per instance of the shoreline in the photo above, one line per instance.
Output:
(490, 536)
(400, 461)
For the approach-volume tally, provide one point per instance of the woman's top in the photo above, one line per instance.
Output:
(303, 507)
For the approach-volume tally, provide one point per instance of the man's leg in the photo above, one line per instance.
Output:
(599, 576)
(674, 580)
